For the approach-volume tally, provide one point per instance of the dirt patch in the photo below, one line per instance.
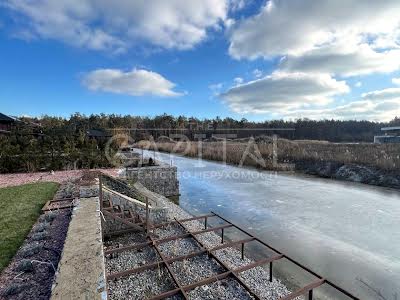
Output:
(58, 176)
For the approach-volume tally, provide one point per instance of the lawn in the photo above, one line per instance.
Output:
(20, 208)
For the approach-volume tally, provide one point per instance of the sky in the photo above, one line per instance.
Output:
(253, 59)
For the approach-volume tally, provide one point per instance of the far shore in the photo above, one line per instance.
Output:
(372, 164)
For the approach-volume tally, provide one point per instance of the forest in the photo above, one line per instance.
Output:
(55, 143)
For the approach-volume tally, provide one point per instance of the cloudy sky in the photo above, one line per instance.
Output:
(205, 58)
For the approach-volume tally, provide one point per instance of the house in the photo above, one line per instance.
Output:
(6, 123)
(98, 134)
(391, 135)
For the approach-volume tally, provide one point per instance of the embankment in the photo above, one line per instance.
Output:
(375, 164)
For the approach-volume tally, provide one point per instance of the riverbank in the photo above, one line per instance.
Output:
(372, 164)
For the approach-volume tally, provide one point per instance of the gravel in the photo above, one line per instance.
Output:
(143, 286)
(167, 231)
(179, 247)
(124, 240)
(223, 289)
(151, 282)
(118, 262)
(196, 268)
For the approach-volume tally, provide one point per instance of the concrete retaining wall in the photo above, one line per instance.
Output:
(81, 271)
(161, 179)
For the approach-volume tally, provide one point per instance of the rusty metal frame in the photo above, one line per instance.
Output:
(229, 272)
(47, 205)
(146, 226)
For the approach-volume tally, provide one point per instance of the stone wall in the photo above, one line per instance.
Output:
(156, 214)
(121, 186)
(160, 179)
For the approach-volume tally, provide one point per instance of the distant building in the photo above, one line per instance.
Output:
(6, 123)
(98, 134)
(392, 135)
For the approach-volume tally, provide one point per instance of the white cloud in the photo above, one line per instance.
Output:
(382, 105)
(386, 94)
(341, 37)
(238, 80)
(304, 25)
(280, 92)
(396, 81)
(257, 73)
(358, 84)
(135, 83)
(116, 25)
(344, 60)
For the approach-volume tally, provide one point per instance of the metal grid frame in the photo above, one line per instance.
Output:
(48, 205)
(229, 272)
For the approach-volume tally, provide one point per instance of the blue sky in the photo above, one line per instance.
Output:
(238, 58)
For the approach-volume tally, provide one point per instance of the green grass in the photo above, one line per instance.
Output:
(20, 208)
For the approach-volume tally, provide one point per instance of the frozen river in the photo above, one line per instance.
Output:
(349, 233)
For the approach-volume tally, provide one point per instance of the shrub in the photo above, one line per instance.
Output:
(30, 249)
(39, 236)
(41, 227)
(50, 216)
(12, 289)
(24, 265)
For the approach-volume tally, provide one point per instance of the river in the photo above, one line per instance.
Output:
(347, 232)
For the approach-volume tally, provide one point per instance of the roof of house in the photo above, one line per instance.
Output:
(5, 118)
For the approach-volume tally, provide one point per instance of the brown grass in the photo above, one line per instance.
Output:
(382, 156)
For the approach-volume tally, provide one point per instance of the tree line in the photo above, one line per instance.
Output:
(55, 143)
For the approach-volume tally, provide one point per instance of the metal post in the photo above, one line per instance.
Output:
(222, 237)
(242, 251)
(101, 192)
(270, 271)
(101, 205)
(205, 223)
(310, 294)
(147, 216)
